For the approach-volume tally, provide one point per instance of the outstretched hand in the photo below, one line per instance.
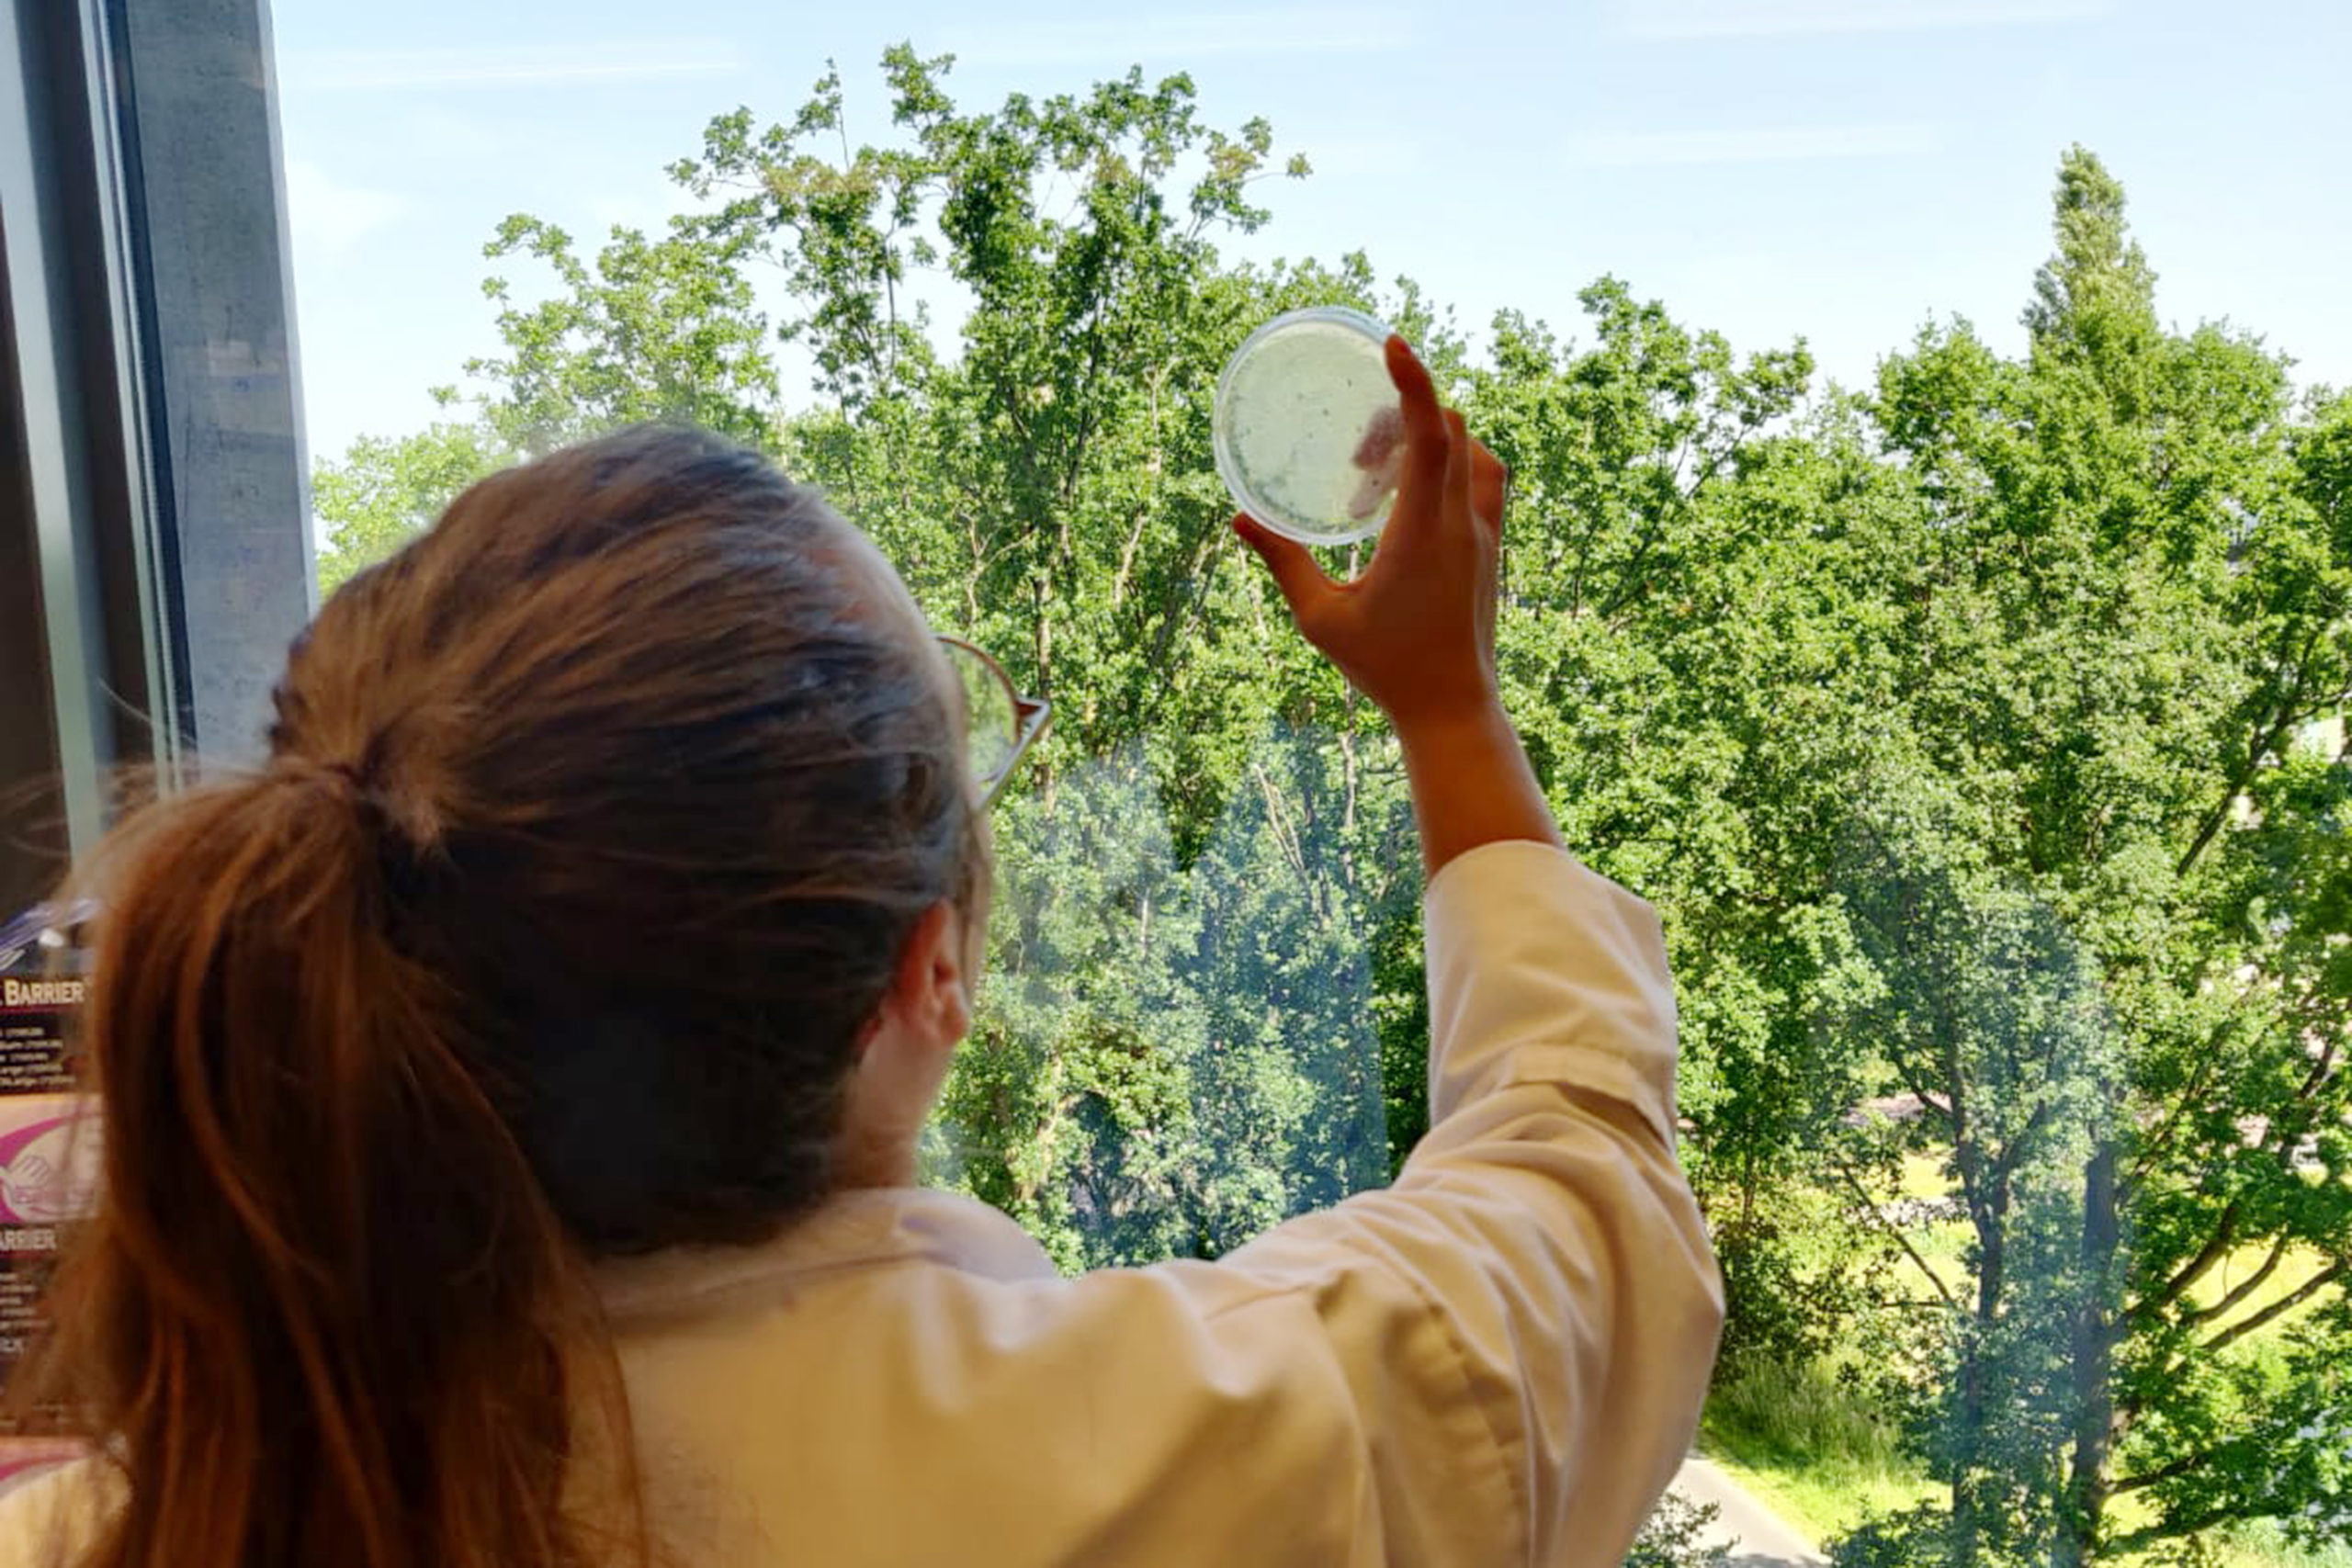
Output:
(1415, 632)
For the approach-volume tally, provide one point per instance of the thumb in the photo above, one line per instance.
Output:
(1295, 571)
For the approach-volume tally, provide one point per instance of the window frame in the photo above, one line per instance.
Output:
(109, 419)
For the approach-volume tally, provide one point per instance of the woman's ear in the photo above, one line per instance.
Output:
(929, 1001)
(903, 1057)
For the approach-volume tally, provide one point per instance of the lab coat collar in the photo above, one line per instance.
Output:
(852, 1231)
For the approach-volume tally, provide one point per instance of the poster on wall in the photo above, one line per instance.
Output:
(50, 1151)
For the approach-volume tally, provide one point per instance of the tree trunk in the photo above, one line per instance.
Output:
(1968, 1426)
(2094, 1326)
(1988, 1209)
(1042, 634)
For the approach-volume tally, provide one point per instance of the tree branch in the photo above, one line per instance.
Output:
(2322, 1072)
(1919, 1088)
(2277, 1309)
(2262, 741)
(2005, 1164)
(2155, 1143)
(2172, 1472)
(2216, 1247)
(2245, 1288)
(1870, 1205)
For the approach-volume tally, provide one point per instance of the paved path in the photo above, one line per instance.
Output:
(1758, 1537)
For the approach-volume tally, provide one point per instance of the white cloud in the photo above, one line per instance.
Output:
(334, 217)
(1756, 19)
(1120, 40)
(567, 64)
(1641, 149)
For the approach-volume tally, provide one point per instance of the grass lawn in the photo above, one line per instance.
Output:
(2261, 1546)
(1813, 1452)
(1810, 1446)
(1923, 1176)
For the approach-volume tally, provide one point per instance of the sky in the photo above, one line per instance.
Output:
(1843, 171)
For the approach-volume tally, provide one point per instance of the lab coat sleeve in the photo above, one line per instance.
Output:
(1526, 1320)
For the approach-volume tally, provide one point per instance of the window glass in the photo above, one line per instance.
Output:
(1928, 582)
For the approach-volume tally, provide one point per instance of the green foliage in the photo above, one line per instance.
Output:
(1086, 1040)
(2262, 1541)
(1911, 1537)
(1169, 1059)
(1675, 1536)
(660, 329)
(1764, 1408)
(383, 491)
(1969, 734)
(1794, 1277)
(2122, 603)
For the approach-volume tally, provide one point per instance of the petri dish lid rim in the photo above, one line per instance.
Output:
(1228, 465)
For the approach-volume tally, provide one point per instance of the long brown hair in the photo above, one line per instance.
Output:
(593, 823)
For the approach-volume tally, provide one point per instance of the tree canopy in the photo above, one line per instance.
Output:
(1978, 733)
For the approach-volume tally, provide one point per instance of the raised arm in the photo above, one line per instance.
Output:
(1526, 1320)
(1415, 632)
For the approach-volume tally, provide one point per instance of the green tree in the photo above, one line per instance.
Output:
(660, 330)
(1989, 1011)
(2125, 601)
(1072, 1099)
(1693, 558)
(382, 493)
(1970, 735)
(1674, 1538)
(1169, 1059)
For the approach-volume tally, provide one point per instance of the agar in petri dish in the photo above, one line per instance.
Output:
(1308, 436)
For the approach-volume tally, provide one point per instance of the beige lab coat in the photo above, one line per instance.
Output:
(1497, 1360)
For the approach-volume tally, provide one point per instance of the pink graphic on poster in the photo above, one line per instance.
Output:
(50, 1162)
(21, 1458)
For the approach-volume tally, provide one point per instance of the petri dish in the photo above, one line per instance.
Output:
(1308, 435)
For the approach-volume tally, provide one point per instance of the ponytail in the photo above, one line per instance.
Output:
(325, 1315)
(597, 820)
